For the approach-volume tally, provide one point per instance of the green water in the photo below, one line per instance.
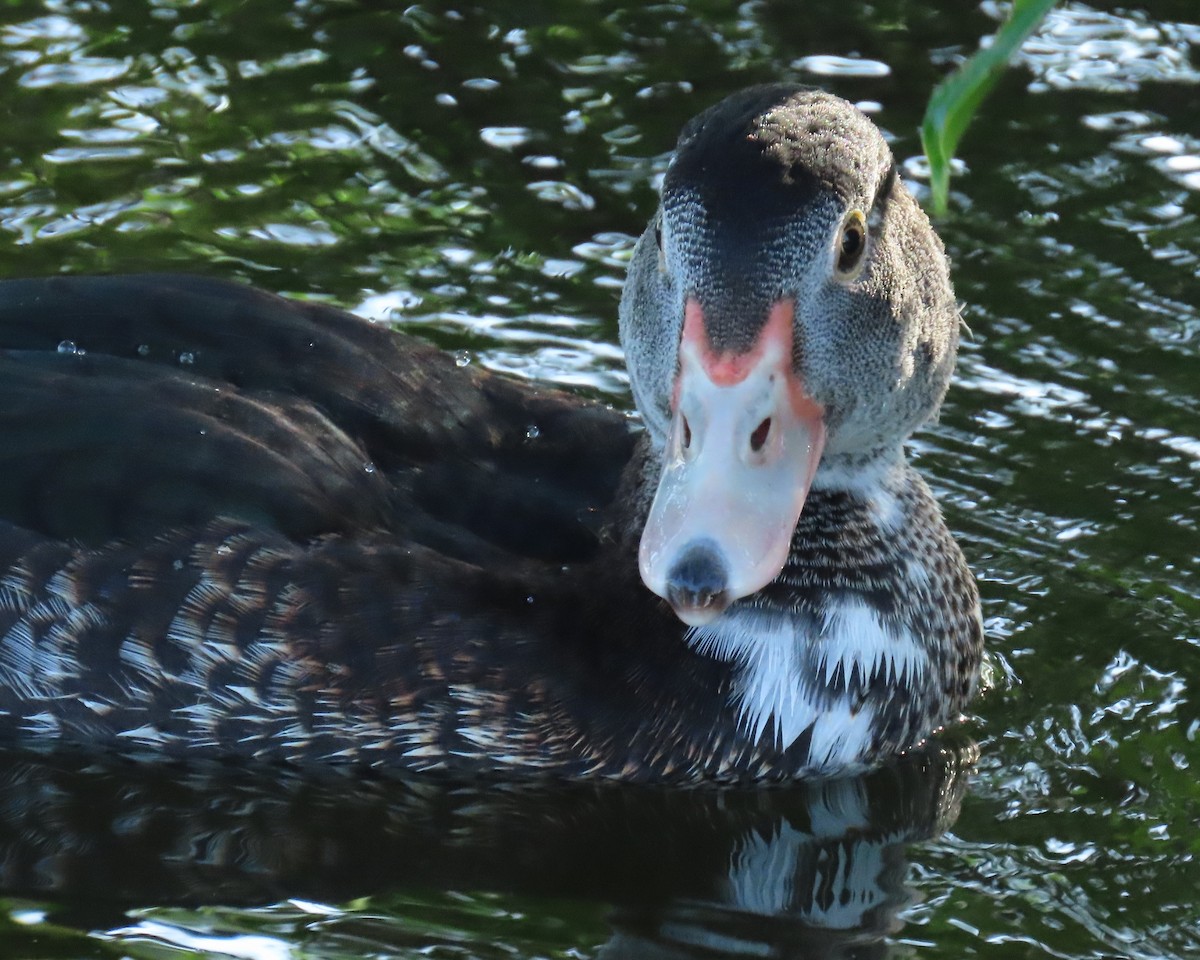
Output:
(478, 174)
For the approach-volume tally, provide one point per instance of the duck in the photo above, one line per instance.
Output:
(254, 529)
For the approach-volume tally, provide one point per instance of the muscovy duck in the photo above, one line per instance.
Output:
(236, 525)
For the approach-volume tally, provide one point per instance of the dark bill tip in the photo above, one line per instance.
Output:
(698, 583)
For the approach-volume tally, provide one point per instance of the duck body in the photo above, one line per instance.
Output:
(236, 525)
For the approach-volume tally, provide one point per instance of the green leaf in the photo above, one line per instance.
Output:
(956, 98)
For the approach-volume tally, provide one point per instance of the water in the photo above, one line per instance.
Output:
(477, 176)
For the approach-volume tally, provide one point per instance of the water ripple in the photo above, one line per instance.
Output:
(832, 66)
(506, 138)
(1077, 47)
(80, 71)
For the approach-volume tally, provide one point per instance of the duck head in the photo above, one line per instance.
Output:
(788, 320)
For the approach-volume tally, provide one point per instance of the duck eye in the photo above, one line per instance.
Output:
(852, 243)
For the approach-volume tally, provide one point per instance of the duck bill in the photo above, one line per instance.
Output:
(744, 444)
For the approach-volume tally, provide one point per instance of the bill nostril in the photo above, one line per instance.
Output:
(758, 438)
(698, 583)
(687, 432)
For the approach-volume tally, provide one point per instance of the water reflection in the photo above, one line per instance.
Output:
(813, 870)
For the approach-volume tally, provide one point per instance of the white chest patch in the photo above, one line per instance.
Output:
(793, 673)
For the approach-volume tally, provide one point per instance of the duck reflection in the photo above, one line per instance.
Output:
(825, 878)
(809, 870)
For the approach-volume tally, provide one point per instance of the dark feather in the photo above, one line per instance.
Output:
(290, 415)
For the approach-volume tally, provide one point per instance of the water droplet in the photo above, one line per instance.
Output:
(177, 565)
(143, 350)
(69, 346)
(532, 432)
(369, 467)
(529, 599)
(462, 357)
(186, 358)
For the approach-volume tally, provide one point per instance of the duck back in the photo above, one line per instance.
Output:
(134, 404)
